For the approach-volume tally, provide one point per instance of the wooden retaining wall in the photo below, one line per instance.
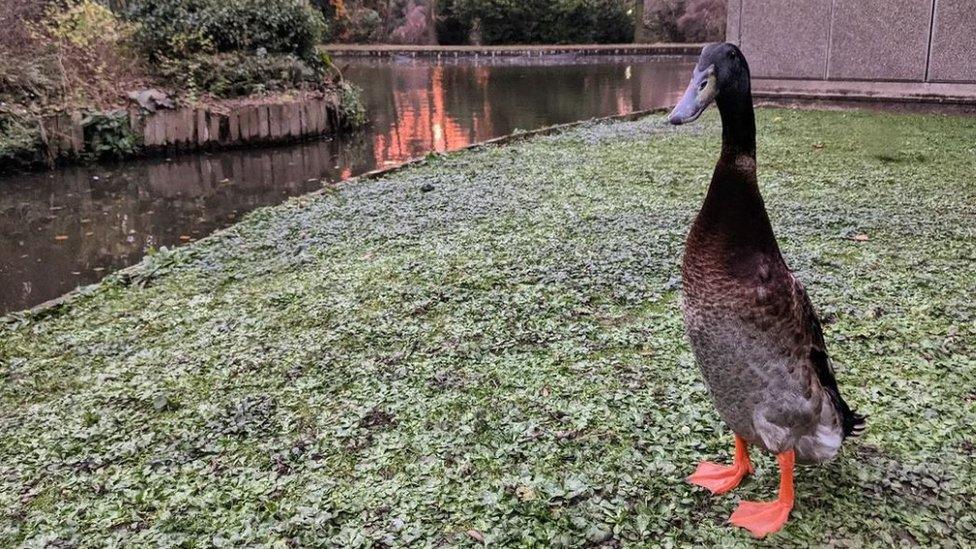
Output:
(195, 128)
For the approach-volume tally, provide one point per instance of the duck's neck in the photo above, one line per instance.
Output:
(738, 125)
(733, 208)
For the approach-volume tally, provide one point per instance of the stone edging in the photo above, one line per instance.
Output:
(385, 50)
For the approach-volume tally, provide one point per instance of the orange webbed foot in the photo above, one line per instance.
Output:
(764, 518)
(761, 518)
(718, 479)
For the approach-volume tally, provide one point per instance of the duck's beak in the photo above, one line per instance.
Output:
(700, 93)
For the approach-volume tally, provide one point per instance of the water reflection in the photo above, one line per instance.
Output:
(421, 106)
(72, 226)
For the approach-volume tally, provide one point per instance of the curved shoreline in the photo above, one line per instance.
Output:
(51, 305)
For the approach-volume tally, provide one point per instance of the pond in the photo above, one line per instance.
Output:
(72, 226)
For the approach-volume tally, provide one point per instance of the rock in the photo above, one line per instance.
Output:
(151, 99)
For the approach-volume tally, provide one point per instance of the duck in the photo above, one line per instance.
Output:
(752, 328)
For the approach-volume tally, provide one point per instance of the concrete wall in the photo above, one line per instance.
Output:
(926, 45)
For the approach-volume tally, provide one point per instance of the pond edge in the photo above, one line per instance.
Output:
(51, 306)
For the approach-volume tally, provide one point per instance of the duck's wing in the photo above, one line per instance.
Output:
(819, 361)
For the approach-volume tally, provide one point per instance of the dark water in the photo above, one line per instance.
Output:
(72, 226)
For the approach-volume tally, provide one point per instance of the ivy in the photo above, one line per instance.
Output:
(488, 349)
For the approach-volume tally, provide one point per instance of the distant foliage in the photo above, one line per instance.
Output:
(15, 19)
(361, 25)
(704, 20)
(181, 28)
(231, 48)
(365, 21)
(686, 20)
(535, 21)
(413, 28)
(237, 74)
(84, 23)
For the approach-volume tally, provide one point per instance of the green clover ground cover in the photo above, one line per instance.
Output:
(501, 359)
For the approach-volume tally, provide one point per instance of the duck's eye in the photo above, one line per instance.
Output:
(702, 85)
(732, 54)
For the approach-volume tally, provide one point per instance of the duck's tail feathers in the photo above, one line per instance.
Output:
(853, 423)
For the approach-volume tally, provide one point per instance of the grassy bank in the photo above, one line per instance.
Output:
(488, 347)
(95, 60)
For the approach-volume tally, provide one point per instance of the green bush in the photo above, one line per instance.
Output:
(535, 21)
(237, 74)
(231, 48)
(362, 26)
(179, 29)
(108, 135)
(352, 113)
(686, 21)
(20, 138)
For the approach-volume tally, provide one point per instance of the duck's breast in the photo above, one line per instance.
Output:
(751, 360)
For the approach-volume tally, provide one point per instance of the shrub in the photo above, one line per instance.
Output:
(703, 20)
(413, 28)
(237, 74)
(84, 24)
(232, 48)
(362, 26)
(278, 26)
(108, 135)
(351, 110)
(15, 19)
(70, 52)
(179, 29)
(686, 20)
(20, 138)
(535, 21)
(29, 79)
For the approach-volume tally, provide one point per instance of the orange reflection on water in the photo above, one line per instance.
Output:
(423, 123)
(430, 106)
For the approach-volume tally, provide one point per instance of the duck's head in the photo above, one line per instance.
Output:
(721, 73)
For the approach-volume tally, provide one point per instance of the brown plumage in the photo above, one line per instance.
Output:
(753, 330)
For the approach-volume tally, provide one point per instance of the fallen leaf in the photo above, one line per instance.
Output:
(476, 535)
(524, 493)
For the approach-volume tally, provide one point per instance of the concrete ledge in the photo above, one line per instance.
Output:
(850, 90)
(387, 50)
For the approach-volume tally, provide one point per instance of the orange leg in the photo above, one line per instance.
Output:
(719, 478)
(762, 518)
